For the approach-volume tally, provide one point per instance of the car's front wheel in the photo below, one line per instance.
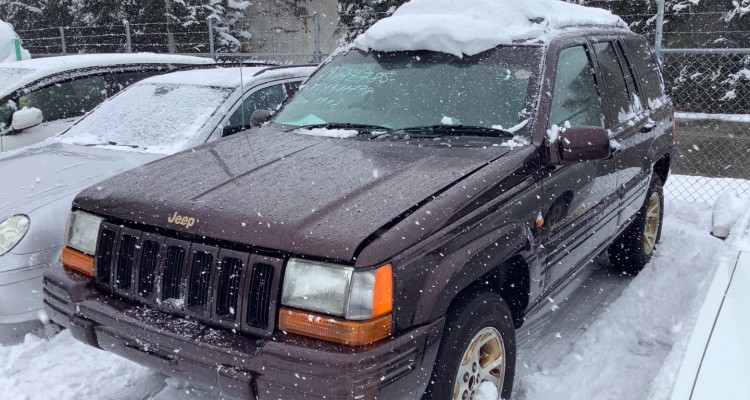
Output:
(633, 250)
(478, 347)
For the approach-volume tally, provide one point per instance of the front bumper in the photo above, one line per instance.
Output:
(21, 285)
(283, 367)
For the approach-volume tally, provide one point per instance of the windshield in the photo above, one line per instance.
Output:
(10, 76)
(413, 89)
(156, 117)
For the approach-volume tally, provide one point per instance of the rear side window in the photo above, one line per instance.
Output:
(575, 98)
(647, 67)
(614, 81)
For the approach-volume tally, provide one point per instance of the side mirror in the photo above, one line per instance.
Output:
(26, 118)
(259, 117)
(582, 143)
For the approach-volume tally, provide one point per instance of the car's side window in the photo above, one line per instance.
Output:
(5, 112)
(576, 98)
(68, 99)
(614, 82)
(267, 98)
(647, 67)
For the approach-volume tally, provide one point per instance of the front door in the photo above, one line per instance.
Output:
(579, 199)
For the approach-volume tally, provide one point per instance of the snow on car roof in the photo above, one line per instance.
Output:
(470, 27)
(227, 77)
(42, 67)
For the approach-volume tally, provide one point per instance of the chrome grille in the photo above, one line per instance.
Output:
(219, 286)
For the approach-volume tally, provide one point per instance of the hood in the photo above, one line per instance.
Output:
(305, 195)
(38, 175)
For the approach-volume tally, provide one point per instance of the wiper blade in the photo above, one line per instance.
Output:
(344, 125)
(111, 144)
(458, 130)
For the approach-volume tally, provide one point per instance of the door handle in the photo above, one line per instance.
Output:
(647, 128)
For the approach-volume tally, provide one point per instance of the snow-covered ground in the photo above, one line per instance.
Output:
(608, 340)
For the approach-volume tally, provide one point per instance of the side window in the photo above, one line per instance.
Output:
(268, 98)
(5, 112)
(575, 98)
(614, 82)
(647, 67)
(68, 99)
(292, 87)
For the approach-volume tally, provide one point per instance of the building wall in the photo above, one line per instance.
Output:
(287, 26)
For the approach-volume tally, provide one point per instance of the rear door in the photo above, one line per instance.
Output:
(630, 125)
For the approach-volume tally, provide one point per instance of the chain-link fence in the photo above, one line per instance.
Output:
(711, 92)
(284, 40)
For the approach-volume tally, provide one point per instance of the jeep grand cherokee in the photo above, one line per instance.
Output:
(385, 233)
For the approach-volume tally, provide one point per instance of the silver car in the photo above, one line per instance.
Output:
(42, 97)
(149, 120)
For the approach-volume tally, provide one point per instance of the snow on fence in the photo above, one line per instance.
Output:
(711, 92)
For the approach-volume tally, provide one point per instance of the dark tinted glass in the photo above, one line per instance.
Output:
(647, 67)
(268, 98)
(614, 81)
(65, 100)
(576, 98)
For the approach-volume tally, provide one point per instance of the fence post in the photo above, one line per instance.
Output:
(128, 44)
(316, 33)
(211, 48)
(62, 41)
(659, 29)
(17, 47)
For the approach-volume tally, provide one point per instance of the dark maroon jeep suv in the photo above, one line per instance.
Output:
(387, 231)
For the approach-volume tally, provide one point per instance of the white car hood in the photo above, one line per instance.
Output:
(38, 175)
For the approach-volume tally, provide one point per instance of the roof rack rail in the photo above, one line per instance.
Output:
(283, 66)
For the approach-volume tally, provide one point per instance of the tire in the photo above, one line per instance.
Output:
(633, 250)
(483, 319)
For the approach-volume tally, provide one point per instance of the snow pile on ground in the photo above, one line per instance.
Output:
(470, 27)
(624, 349)
(7, 49)
(729, 207)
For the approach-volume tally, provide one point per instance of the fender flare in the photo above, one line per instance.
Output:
(455, 272)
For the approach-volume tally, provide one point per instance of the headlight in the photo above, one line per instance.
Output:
(363, 301)
(83, 231)
(337, 290)
(12, 230)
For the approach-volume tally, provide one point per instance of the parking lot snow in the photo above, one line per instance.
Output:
(614, 351)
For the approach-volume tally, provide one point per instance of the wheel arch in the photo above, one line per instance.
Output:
(499, 265)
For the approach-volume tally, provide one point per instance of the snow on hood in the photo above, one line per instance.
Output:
(7, 50)
(45, 173)
(470, 27)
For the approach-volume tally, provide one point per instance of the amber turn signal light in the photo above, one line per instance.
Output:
(337, 330)
(77, 261)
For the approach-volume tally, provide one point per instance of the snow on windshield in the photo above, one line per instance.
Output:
(156, 118)
(470, 27)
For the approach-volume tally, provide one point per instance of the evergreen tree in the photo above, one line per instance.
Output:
(358, 15)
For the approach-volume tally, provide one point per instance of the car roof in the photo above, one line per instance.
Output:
(230, 77)
(42, 67)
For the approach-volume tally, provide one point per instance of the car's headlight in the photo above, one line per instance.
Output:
(83, 232)
(12, 230)
(362, 299)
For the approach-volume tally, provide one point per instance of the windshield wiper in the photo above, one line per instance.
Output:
(345, 125)
(112, 144)
(457, 130)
